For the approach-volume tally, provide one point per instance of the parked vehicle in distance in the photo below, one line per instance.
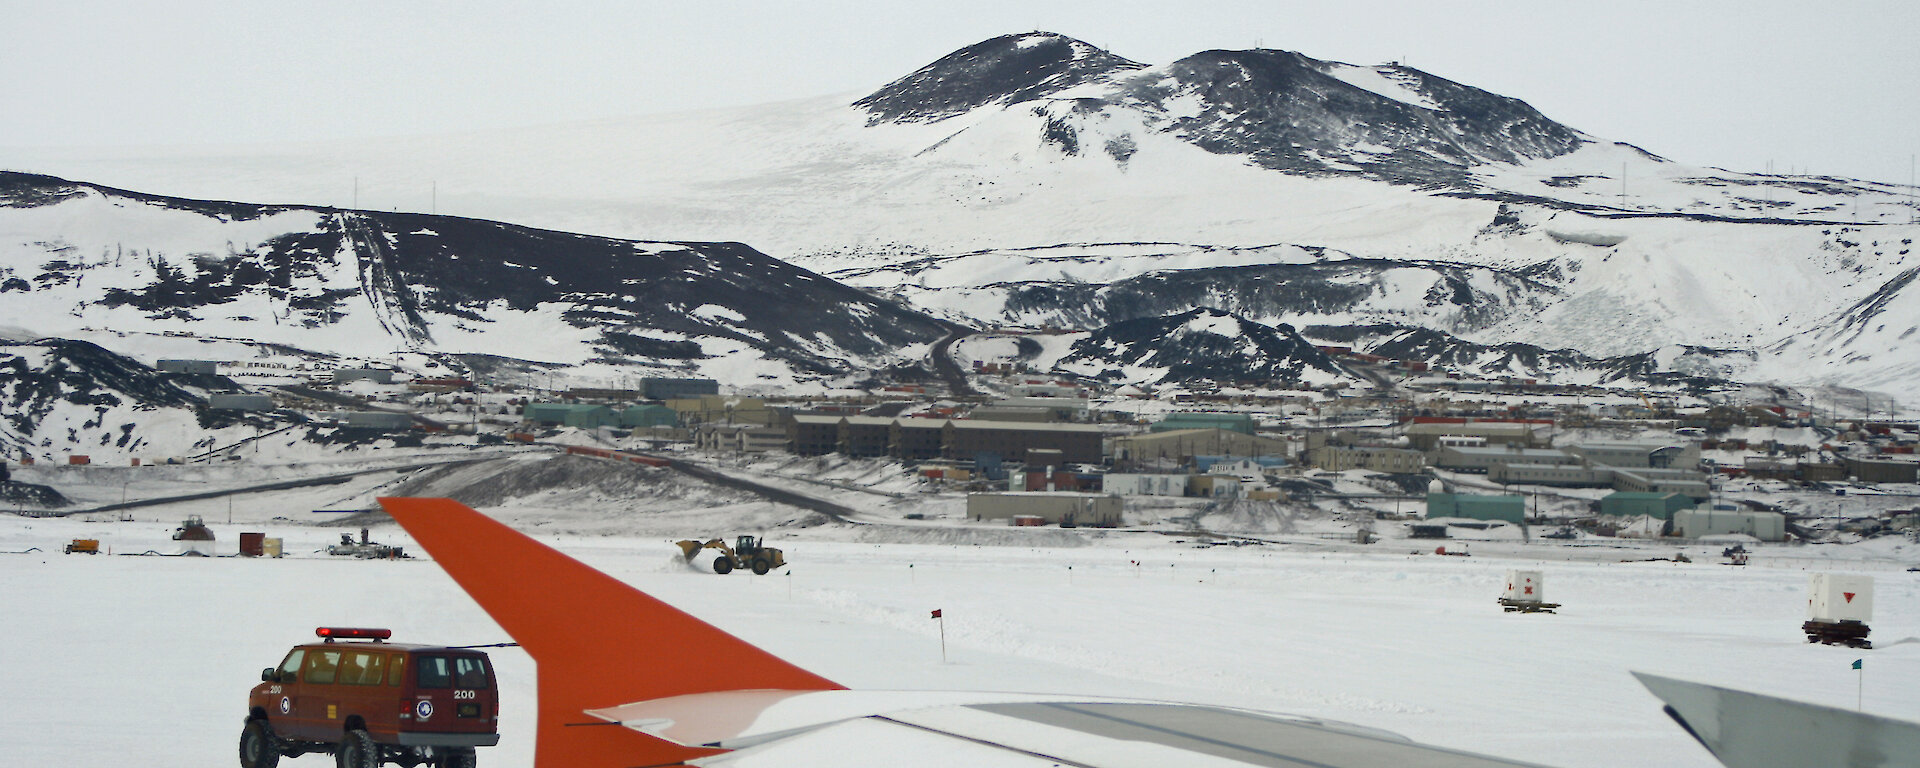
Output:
(372, 702)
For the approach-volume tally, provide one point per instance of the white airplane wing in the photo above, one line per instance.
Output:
(1748, 730)
(795, 729)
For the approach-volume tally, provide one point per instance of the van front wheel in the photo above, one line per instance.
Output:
(259, 748)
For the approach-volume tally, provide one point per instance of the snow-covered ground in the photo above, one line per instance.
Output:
(112, 656)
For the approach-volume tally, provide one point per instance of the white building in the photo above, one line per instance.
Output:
(1695, 523)
(1132, 484)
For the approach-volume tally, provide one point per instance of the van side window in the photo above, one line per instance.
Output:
(398, 670)
(321, 666)
(362, 668)
(435, 672)
(290, 669)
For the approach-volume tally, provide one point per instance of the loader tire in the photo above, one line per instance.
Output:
(761, 565)
(722, 565)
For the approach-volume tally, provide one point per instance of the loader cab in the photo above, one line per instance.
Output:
(746, 544)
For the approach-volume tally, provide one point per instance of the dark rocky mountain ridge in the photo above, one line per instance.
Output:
(1282, 110)
(646, 303)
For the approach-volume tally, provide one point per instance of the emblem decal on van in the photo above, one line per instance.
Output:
(423, 710)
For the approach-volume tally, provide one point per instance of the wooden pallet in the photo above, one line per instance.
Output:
(1527, 606)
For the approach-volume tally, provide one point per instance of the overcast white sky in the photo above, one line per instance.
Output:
(1822, 87)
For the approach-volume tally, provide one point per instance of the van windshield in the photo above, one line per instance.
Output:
(453, 672)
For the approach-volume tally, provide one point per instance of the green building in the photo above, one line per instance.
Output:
(649, 416)
(1660, 506)
(1237, 422)
(571, 414)
(1512, 509)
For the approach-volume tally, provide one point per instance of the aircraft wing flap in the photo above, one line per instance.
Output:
(1082, 734)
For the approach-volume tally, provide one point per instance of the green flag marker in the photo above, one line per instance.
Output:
(1856, 663)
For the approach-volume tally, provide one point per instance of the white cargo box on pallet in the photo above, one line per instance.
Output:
(1839, 597)
(1524, 587)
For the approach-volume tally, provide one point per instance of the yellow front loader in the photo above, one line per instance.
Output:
(746, 552)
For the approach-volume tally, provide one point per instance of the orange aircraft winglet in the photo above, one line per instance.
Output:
(596, 641)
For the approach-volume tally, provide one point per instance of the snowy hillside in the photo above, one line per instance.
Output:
(1016, 181)
(1662, 367)
(72, 397)
(76, 256)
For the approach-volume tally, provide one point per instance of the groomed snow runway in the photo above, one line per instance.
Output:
(111, 658)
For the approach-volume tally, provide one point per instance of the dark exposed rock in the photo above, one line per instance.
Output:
(1009, 69)
(1204, 345)
(649, 302)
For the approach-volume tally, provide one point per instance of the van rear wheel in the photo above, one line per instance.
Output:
(259, 748)
(356, 750)
(454, 757)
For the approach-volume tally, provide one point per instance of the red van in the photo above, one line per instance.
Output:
(371, 702)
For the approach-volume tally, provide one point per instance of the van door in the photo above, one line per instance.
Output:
(361, 690)
(285, 696)
(316, 706)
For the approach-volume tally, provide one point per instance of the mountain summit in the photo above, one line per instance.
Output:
(1283, 110)
(1009, 69)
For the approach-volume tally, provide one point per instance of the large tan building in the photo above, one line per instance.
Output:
(1339, 458)
(739, 438)
(722, 409)
(1053, 507)
(1178, 446)
(1425, 436)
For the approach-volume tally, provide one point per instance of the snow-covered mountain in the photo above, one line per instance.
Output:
(1280, 109)
(362, 284)
(1037, 179)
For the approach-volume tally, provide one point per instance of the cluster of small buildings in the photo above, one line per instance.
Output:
(1063, 462)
